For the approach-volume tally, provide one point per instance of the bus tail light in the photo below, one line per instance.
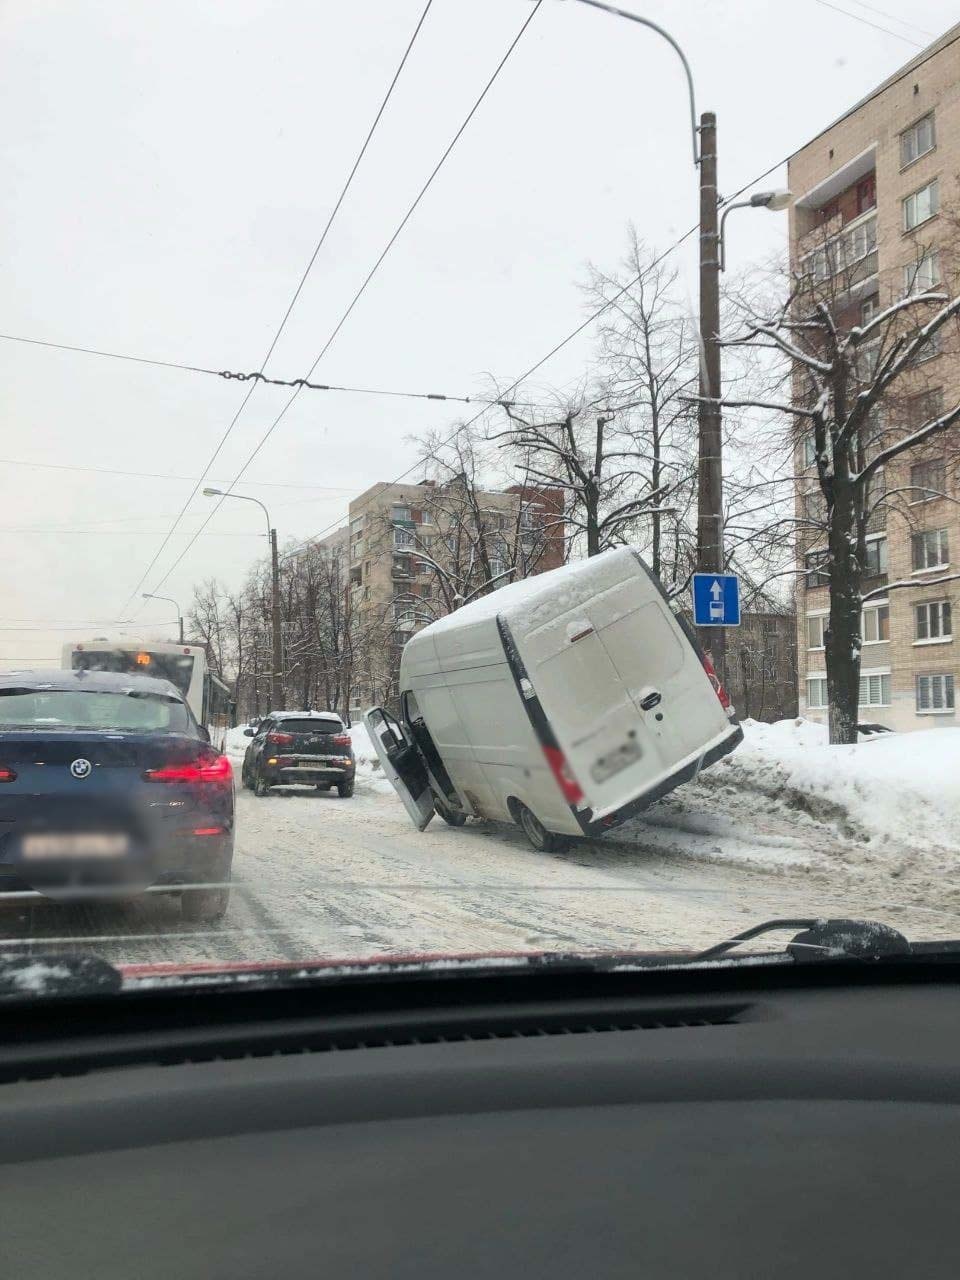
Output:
(572, 791)
(215, 769)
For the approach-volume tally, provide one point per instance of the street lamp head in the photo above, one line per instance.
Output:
(775, 201)
(213, 493)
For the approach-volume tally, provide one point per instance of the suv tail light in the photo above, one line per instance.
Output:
(341, 740)
(217, 769)
(718, 688)
(280, 739)
(7, 775)
(572, 791)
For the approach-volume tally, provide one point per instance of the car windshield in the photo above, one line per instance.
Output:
(89, 709)
(525, 436)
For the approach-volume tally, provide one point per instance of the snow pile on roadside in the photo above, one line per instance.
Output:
(235, 744)
(895, 793)
(368, 765)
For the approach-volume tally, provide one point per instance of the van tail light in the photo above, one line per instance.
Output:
(341, 740)
(572, 791)
(718, 688)
(280, 739)
(215, 769)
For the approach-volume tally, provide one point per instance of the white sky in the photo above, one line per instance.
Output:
(166, 170)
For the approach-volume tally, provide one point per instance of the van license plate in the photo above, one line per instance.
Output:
(79, 844)
(615, 761)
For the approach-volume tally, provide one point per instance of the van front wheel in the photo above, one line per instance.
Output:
(543, 841)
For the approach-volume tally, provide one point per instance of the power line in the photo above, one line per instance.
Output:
(369, 276)
(158, 475)
(894, 18)
(232, 375)
(286, 315)
(867, 23)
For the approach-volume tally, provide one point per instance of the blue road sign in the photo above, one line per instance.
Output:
(716, 600)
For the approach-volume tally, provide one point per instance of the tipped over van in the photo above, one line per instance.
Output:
(565, 703)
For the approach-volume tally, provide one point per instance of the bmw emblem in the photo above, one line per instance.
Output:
(81, 768)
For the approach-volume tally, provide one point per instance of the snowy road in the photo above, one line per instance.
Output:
(316, 876)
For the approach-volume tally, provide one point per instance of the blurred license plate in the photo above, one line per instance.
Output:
(78, 844)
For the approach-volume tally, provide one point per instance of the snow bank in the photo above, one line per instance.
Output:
(896, 792)
(368, 765)
(235, 743)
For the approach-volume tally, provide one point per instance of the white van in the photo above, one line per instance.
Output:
(565, 703)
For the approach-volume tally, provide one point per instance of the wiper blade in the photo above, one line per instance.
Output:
(40, 976)
(821, 939)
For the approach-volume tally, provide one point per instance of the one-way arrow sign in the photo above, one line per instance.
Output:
(716, 600)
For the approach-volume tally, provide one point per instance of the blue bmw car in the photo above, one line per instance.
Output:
(107, 783)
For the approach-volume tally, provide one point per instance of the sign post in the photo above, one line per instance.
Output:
(716, 600)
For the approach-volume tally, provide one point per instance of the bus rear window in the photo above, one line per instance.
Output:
(175, 667)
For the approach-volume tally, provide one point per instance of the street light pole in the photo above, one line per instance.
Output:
(148, 595)
(276, 676)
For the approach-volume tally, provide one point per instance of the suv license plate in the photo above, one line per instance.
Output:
(79, 844)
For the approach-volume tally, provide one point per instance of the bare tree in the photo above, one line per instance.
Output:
(865, 415)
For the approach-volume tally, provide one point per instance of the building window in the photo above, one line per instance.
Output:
(933, 621)
(869, 308)
(875, 689)
(921, 205)
(875, 562)
(496, 568)
(928, 480)
(817, 693)
(356, 550)
(400, 514)
(817, 572)
(867, 193)
(935, 694)
(930, 549)
(816, 625)
(403, 538)
(809, 450)
(875, 624)
(917, 140)
(923, 275)
(356, 527)
(426, 517)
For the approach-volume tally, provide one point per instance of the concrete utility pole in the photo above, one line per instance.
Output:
(276, 681)
(710, 480)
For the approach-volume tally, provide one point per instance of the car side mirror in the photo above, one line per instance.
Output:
(204, 732)
(249, 733)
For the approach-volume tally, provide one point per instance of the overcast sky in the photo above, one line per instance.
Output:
(166, 172)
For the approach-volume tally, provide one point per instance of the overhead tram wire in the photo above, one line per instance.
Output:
(231, 375)
(867, 23)
(295, 550)
(276, 337)
(366, 281)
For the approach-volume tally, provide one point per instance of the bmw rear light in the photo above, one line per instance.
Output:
(280, 739)
(341, 740)
(216, 769)
(572, 791)
(715, 681)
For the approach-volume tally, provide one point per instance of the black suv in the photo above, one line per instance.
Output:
(292, 748)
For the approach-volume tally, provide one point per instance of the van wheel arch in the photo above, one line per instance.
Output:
(542, 840)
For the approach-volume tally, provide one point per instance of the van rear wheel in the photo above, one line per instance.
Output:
(543, 841)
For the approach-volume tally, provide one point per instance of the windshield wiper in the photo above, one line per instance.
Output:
(821, 939)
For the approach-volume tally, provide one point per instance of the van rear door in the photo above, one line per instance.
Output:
(620, 684)
(402, 764)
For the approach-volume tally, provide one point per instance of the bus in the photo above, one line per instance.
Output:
(184, 665)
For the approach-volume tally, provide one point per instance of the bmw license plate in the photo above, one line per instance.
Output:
(76, 844)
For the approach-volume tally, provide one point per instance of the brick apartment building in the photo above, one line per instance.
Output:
(413, 549)
(879, 188)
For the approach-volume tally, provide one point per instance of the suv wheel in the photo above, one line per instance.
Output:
(345, 790)
(261, 787)
(204, 906)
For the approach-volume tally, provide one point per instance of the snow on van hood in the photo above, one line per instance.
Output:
(576, 581)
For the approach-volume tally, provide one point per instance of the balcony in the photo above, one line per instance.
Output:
(847, 260)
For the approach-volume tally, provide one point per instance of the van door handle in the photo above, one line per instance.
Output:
(651, 700)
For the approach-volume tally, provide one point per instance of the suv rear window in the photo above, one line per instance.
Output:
(310, 726)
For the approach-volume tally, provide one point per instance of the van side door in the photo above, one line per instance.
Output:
(402, 764)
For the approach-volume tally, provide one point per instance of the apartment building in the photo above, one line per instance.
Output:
(877, 192)
(417, 551)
